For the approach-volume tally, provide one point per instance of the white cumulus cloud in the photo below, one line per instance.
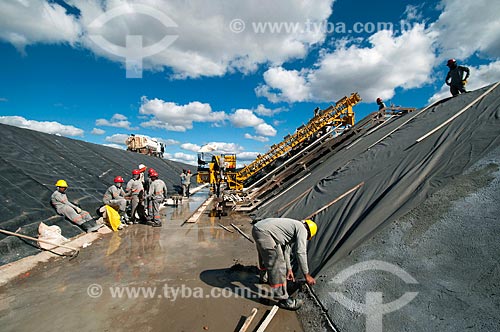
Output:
(256, 138)
(206, 45)
(466, 27)
(117, 139)
(97, 131)
(49, 127)
(246, 156)
(376, 70)
(117, 121)
(174, 117)
(242, 118)
(186, 158)
(25, 22)
(191, 147)
(284, 85)
(264, 111)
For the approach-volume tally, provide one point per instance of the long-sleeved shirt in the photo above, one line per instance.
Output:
(456, 75)
(113, 192)
(59, 200)
(134, 187)
(157, 189)
(288, 232)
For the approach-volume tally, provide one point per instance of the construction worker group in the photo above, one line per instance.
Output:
(145, 194)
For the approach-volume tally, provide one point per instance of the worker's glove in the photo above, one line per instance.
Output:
(464, 82)
(78, 210)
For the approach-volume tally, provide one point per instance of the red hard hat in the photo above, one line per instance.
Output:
(379, 100)
(136, 172)
(151, 171)
(153, 174)
(451, 62)
(119, 179)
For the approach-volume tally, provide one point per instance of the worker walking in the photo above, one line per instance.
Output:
(157, 194)
(455, 78)
(135, 190)
(115, 197)
(64, 207)
(274, 238)
(380, 103)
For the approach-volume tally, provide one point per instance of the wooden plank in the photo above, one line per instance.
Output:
(242, 233)
(268, 319)
(458, 113)
(249, 320)
(225, 228)
(196, 215)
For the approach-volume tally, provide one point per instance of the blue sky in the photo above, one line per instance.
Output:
(244, 90)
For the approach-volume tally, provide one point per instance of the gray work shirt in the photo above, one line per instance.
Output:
(288, 232)
(134, 187)
(113, 192)
(157, 189)
(59, 200)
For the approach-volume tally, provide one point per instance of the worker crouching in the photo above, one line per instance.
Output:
(274, 238)
(64, 207)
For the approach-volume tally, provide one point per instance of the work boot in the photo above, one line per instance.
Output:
(290, 304)
(156, 224)
(90, 226)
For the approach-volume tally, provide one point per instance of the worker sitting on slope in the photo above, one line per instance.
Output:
(274, 238)
(64, 207)
(115, 197)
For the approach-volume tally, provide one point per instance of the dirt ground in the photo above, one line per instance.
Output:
(180, 277)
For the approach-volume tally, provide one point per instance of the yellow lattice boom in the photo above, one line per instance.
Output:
(340, 114)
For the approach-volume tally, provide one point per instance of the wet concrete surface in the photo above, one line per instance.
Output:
(174, 278)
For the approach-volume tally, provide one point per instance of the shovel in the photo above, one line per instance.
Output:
(73, 255)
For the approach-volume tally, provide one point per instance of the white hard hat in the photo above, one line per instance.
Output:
(142, 166)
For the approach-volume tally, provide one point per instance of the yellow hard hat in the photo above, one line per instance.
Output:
(313, 228)
(61, 183)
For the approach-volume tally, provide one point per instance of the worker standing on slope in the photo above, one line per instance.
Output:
(135, 190)
(380, 103)
(274, 238)
(64, 207)
(455, 78)
(156, 195)
(115, 197)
